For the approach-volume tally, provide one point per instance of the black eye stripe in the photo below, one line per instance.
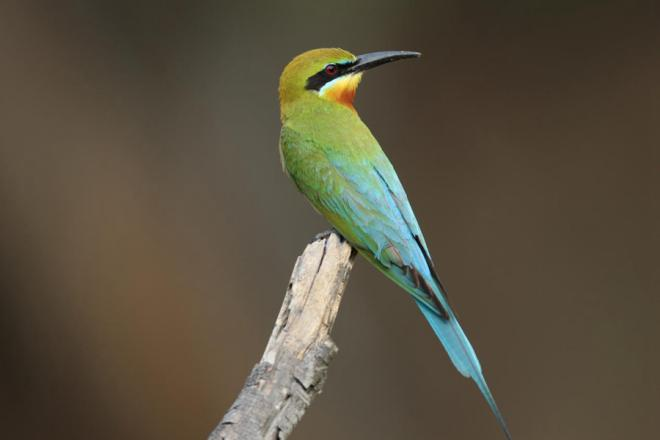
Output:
(319, 79)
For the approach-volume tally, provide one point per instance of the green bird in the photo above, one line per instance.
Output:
(335, 161)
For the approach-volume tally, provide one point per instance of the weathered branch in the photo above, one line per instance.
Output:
(293, 367)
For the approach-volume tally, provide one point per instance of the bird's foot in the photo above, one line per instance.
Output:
(325, 234)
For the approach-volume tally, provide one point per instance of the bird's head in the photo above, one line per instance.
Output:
(330, 74)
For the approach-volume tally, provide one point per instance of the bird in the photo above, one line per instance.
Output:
(337, 164)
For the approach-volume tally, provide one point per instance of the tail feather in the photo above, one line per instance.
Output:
(462, 355)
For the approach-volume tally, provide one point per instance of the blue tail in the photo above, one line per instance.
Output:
(462, 355)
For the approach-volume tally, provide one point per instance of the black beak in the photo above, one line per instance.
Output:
(375, 59)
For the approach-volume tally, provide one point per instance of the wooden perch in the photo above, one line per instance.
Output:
(293, 367)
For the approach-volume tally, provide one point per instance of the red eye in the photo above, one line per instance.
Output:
(331, 69)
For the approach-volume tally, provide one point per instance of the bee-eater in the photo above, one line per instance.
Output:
(336, 162)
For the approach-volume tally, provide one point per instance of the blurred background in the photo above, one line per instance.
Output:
(147, 232)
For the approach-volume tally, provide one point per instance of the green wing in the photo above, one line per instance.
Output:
(356, 188)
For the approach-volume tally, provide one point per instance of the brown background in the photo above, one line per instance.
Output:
(147, 232)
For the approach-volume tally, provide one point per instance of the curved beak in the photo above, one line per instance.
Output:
(374, 59)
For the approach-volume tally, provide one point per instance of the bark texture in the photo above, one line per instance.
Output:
(294, 365)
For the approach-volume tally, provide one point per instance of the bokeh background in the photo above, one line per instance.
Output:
(147, 232)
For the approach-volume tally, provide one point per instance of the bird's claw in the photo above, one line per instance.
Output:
(325, 234)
